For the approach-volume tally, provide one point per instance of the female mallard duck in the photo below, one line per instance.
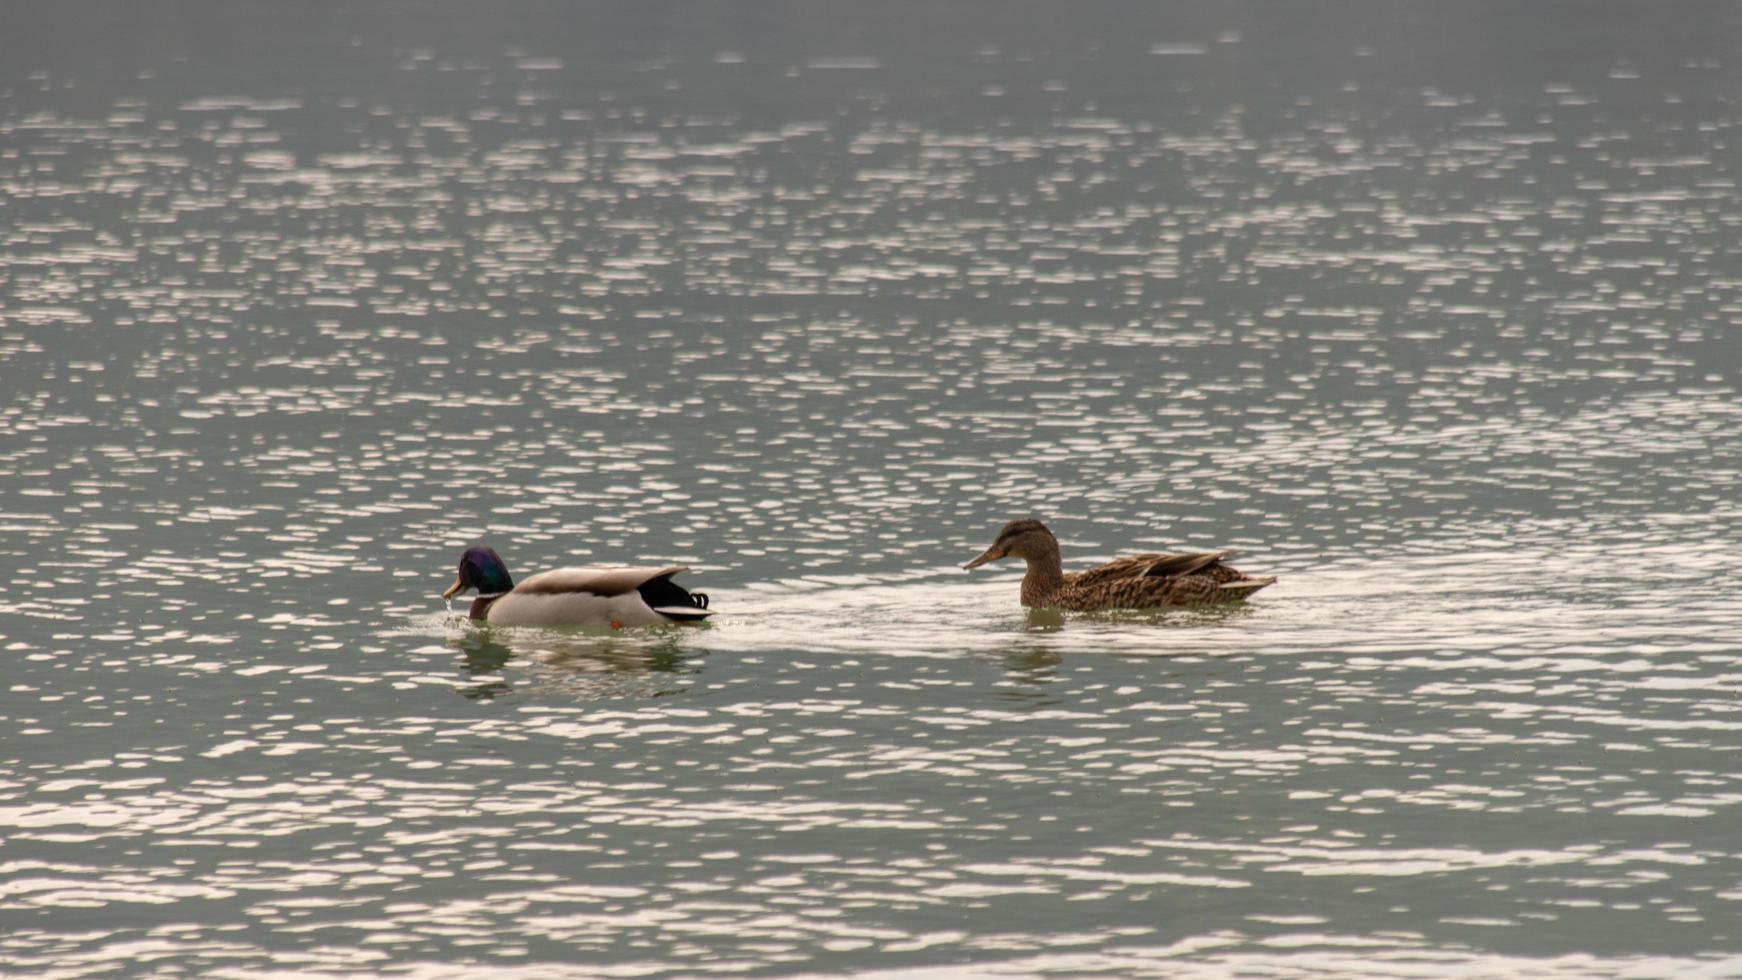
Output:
(1132, 582)
(614, 597)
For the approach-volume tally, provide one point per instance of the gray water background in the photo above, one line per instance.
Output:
(1430, 309)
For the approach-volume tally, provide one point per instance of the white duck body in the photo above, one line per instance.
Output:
(590, 597)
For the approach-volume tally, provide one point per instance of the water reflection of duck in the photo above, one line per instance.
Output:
(580, 664)
(1132, 582)
(614, 597)
(484, 661)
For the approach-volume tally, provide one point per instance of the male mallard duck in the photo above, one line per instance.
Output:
(1132, 582)
(614, 597)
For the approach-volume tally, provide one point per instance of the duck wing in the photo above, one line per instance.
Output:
(1130, 566)
(606, 582)
(1184, 590)
(653, 584)
(1192, 564)
(1210, 584)
(1148, 566)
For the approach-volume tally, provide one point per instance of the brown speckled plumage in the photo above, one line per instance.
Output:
(1131, 582)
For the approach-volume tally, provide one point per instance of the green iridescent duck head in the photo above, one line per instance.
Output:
(481, 568)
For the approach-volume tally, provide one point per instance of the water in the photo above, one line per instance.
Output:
(1430, 312)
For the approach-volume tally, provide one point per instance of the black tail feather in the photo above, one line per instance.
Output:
(674, 601)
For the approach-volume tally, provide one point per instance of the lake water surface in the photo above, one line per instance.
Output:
(1431, 310)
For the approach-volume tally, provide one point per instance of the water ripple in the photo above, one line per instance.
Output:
(1431, 317)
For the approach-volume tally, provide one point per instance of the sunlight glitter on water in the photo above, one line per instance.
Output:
(1438, 329)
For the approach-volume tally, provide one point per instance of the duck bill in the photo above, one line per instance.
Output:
(455, 589)
(992, 554)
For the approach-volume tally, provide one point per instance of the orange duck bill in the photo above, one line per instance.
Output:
(455, 589)
(991, 554)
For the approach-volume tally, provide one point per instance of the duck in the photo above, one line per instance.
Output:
(614, 597)
(1132, 582)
